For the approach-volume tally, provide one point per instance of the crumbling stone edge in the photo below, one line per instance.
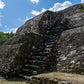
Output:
(43, 80)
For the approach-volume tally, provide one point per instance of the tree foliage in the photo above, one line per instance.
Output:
(5, 36)
(82, 10)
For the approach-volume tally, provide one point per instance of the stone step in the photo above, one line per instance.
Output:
(26, 70)
(29, 71)
(45, 52)
(35, 72)
(49, 46)
(48, 49)
(24, 76)
(36, 57)
(36, 61)
(53, 36)
(39, 57)
(49, 43)
(40, 50)
(51, 40)
(27, 66)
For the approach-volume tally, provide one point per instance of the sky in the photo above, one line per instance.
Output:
(14, 13)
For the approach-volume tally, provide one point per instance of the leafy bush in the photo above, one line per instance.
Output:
(5, 36)
(82, 10)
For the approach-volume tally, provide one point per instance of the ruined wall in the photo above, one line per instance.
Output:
(50, 41)
(43, 80)
(71, 51)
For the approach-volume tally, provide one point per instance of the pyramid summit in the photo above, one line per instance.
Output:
(51, 41)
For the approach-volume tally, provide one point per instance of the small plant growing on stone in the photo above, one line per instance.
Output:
(82, 10)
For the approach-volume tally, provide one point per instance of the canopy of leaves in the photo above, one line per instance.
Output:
(5, 36)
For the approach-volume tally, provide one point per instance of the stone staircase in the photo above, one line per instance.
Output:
(37, 63)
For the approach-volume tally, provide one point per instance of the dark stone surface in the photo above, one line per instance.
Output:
(50, 41)
(71, 51)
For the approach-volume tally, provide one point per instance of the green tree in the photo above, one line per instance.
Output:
(5, 36)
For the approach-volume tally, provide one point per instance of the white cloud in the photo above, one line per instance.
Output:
(37, 12)
(12, 30)
(2, 4)
(1, 7)
(34, 1)
(60, 6)
(56, 7)
(82, 1)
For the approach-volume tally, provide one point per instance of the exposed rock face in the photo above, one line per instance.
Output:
(71, 51)
(49, 41)
(15, 53)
